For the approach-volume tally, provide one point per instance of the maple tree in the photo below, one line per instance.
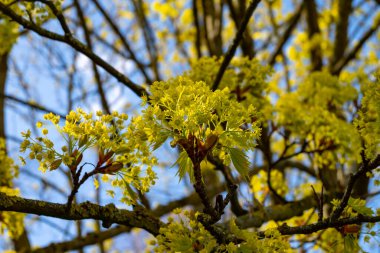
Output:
(268, 111)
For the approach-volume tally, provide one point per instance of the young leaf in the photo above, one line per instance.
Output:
(358, 205)
(241, 138)
(161, 138)
(239, 160)
(350, 244)
(184, 165)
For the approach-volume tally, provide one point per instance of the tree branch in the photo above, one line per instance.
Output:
(108, 214)
(123, 40)
(313, 27)
(80, 242)
(285, 37)
(88, 39)
(308, 229)
(364, 168)
(278, 212)
(352, 54)
(31, 105)
(74, 43)
(235, 43)
(341, 37)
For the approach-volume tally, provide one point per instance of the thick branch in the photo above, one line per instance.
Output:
(93, 238)
(276, 213)
(308, 229)
(197, 28)
(247, 43)
(108, 214)
(313, 27)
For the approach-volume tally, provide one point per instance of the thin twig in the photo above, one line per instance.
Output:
(235, 43)
(76, 44)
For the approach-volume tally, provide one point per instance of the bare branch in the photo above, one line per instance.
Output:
(313, 27)
(285, 37)
(341, 38)
(76, 44)
(235, 43)
(354, 51)
(80, 242)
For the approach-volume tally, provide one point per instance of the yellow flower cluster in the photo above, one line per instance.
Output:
(273, 241)
(183, 109)
(246, 78)
(165, 10)
(259, 186)
(8, 170)
(368, 121)
(315, 112)
(80, 132)
(10, 221)
(120, 149)
(184, 234)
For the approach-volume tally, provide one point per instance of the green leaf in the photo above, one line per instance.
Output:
(161, 138)
(184, 166)
(350, 244)
(241, 139)
(358, 205)
(239, 160)
(131, 192)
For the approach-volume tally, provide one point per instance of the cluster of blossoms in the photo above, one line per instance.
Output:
(259, 185)
(368, 121)
(8, 169)
(246, 78)
(315, 112)
(187, 110)
(10, 221)
(120, 150)
(185, 234)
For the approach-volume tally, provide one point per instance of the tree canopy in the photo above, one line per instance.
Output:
(189, 126)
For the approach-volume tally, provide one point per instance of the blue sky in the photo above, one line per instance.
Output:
(32, 56)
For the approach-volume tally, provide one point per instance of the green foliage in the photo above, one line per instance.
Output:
(239, 160)
(190, 112)
(314, 113)
(184, 234)
(273, 242)
(8, 169)
(246, 78)
(9, 221)
(354, 207)
(358, 205)
(36, 11)
(184, 166)
(368, 121)
(121, 149)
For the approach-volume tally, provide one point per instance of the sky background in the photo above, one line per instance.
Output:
(44, 65)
